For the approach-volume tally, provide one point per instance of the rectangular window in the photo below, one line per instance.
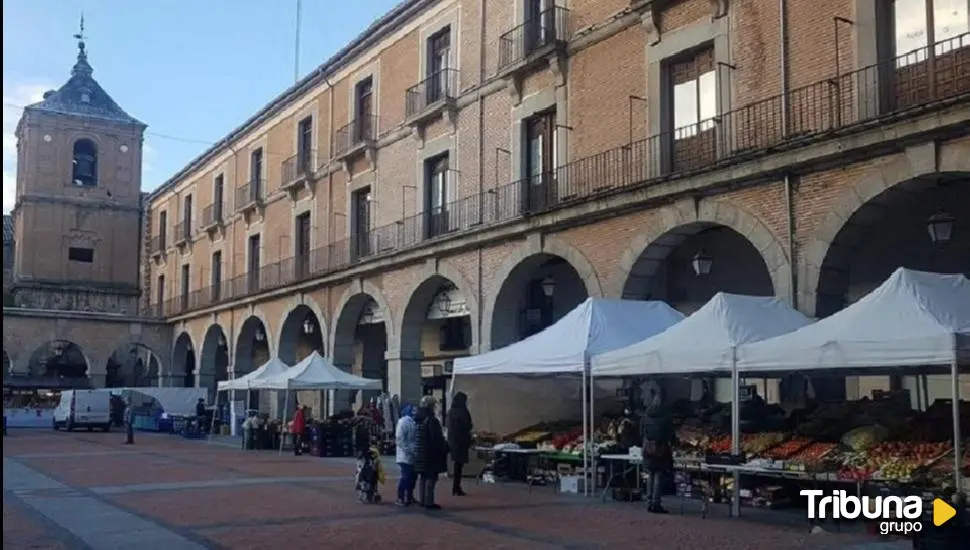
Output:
(162, 230)
(304, 146)
(691, 104)
(302, 245)
(920, 23)
(187, 217)
(256, 174)
(185, 286)
(439, 53)
(216, 280)
(439, 194)
(541, 160)
(360, 221)
(364, 110)
(218, 197)
(78, 254)
(160, 295)
(254, 263)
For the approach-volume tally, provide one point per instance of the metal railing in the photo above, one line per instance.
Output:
(297, 167)
(437, 87)
(548, 28)
(183, 231)
(157, 244)
(250, 193)
(356, 132)
(817, 112)
(213, 214)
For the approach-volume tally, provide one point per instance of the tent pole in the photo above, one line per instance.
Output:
(586, 442)
(957, 443)
(735, 430)
(286, 407)
(592, 426)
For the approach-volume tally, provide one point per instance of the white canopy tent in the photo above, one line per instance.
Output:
(315, 372)
(913, 319)
(273, 367)
(704, 342)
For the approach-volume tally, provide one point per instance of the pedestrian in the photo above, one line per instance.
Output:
(459, 439)
(431, 452)
(129, 423)
(658, 442)
(297, 428)
(405, 440)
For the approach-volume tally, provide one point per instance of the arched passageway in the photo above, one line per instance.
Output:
(921, 223)
(436, 328)
(252, 351)
(360, 344)
(688, 265)
(132, 365)
(214, 360)
(59, 359)
(183, 362)
(537, 292)
(301, 333)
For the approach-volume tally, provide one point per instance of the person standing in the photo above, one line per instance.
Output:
(297, 428)
(405, 440)
(459, 439)
(658, 454)
(431, 452)
(129, 423)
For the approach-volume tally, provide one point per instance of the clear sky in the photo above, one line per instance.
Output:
(191, 69)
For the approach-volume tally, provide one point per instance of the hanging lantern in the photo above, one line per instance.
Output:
(260, 336)
(940, 227)
(548, 286)
(702, 264)
(308, 326)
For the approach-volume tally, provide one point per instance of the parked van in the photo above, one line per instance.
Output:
(83, 409)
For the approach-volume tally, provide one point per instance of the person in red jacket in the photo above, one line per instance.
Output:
(298, 428)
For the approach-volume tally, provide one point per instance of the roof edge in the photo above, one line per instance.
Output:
(376, 31)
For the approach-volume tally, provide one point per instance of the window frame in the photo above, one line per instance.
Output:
(80, 254)
(92, 155)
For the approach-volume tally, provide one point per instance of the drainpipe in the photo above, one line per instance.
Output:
(481, 167)
(789, 184)
(331, 224)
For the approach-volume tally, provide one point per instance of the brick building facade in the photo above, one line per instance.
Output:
(466, 171)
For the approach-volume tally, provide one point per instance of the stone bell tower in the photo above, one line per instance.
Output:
(77, 219)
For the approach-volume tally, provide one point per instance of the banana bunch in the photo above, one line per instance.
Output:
(530, 437)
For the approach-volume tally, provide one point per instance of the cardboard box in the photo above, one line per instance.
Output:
(572, 484)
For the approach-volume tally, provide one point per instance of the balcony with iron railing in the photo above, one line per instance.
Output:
(250, 195)
(831, 109)
(533, 40)
(183, 233)
(357, 136)
(157, 245)
(213, 216)
(297, 171)
(431, 96)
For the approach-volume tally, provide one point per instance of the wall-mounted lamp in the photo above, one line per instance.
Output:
(940, 227)
(548, 286)
(702, 264)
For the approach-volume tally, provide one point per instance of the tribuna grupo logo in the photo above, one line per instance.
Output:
(900, 515)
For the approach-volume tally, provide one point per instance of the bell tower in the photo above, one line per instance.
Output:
(77, 219)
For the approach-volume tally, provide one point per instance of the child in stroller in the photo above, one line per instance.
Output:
(370, 476)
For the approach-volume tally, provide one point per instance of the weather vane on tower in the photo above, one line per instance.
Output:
(80, 35)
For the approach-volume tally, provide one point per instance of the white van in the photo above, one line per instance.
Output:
(83, 409)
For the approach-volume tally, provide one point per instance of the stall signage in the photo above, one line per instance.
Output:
(896, 515)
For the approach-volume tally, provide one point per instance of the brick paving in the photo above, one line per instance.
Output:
(190, 494)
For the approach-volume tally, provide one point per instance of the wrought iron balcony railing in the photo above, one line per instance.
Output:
(356, 133)
(549, 28)
(213, 214)
(297, 167)
(250, 193)
(437, 88)
(892, 90)
(183, 232)
(158, 244)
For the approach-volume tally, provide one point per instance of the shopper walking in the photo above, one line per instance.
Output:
(431, 452)
(298, 428)
(658, 441)
(129, 423)
(459, 439)
(405, 440)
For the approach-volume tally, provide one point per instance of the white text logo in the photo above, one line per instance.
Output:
(896, 514)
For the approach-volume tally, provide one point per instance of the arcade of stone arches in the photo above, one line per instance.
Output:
(683, 263)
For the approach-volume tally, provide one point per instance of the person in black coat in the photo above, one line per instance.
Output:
(658, 453)
(430, 452)
(459, 438)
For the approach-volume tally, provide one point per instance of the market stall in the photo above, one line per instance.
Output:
(273, 367)
(543, 378)
(703, 344)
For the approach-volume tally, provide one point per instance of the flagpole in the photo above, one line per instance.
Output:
(296, 49)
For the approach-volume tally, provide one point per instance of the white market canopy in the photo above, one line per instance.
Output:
(316, 372)
(597, 325)
(914, 318)
(705, 341)
(273, 367)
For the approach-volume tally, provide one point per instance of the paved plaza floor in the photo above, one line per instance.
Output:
(88, 490)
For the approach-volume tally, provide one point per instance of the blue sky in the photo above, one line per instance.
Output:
(189, 69)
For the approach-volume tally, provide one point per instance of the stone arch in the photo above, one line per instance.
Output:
(531, 251)
(831, 246)
(141, 359)
(412, 315)
(213, 357)
(350, 306)
(246, 336)
(290, 324)
(672, 225)
(184, 359)
(48, 349)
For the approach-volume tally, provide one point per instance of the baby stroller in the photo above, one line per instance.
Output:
(370, 476)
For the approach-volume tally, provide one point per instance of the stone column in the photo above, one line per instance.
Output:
(98, 380)
(404, 375)
(344, 356)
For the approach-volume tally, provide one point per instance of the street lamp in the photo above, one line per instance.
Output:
(222, 341)
(308, 326)
(940, 227)
(702, 264)
(443, 302)
(260, 336)
(548, 286)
